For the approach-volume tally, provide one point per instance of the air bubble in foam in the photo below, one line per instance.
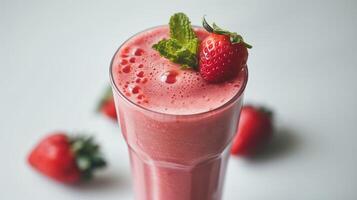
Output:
(139, 52)
(132, 60)
(124, 62)
(126, 50)
(134, 89)
(140, 96)
(169, 77)
(140, 74)
(126, 69)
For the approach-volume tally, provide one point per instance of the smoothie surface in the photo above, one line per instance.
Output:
(155, 83)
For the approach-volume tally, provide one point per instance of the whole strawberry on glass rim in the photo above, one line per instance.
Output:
(222, 54)
(67, 159)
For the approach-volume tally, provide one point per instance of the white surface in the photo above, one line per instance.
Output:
(54, 59)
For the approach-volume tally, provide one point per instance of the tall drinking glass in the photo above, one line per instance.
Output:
(178, 157)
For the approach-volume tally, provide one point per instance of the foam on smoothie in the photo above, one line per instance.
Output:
(157, 84)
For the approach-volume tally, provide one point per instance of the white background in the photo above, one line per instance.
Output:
(54, 59)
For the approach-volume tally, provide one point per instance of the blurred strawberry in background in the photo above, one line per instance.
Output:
(67, 159)
(254, 132)
(107, 105)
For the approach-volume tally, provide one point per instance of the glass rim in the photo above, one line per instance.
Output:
(231, 101)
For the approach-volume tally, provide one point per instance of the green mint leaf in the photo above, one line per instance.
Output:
(168, 48)
(180, 28)
(182, 45)
(178, 53)
(192, 46)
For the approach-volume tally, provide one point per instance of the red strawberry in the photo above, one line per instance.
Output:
(254, 131)
(107, 105)
(108, 108)
(222, 54)
(66, 159)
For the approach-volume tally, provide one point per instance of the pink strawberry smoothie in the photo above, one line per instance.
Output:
(177, 126)
(157, 84)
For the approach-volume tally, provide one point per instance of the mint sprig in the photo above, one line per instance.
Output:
(182, 45)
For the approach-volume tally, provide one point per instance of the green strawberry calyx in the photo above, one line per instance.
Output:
(234, 37)
(87, 154)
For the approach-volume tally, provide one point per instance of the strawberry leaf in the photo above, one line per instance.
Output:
(234, 37)
(88, 155)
